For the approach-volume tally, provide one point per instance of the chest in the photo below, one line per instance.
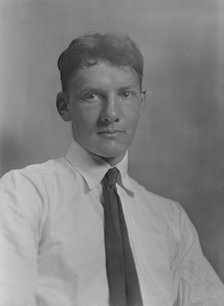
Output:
(73, 243)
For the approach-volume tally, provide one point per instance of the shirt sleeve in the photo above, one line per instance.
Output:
(198, 283)
(20, 205)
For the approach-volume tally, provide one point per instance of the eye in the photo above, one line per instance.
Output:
(91, 97)
(127, 93)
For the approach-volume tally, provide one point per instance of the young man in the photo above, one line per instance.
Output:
(78, 231)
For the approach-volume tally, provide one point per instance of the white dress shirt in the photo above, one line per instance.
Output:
(52, 239)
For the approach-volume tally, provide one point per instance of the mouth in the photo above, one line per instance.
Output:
(110, 133)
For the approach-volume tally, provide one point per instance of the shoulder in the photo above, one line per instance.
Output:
(165, 210)
(37, 173)
(33, 173)
(30, 191)
(158, 202)
(37, 181)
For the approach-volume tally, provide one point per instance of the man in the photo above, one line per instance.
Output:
(78, 231)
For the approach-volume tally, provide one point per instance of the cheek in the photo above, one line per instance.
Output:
(85, 119)
(132, 117)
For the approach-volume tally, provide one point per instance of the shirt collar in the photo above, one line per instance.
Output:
(93, 168)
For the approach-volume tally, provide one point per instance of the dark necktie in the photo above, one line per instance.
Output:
(124, 289)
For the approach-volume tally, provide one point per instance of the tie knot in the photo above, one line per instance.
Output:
(111, 177)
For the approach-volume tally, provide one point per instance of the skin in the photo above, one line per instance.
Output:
(104, 104)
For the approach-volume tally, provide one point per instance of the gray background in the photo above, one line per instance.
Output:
(178, 151)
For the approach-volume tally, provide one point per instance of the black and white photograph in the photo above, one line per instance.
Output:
(112, 153)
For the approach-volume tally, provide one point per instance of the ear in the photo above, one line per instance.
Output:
(62, 106)
(143, 94)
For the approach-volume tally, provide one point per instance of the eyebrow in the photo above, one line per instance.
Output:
(128, 87)
(83, 90)
(90, 89)
(99, 90)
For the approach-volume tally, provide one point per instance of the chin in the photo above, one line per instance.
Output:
(107, 150)
(115, 153)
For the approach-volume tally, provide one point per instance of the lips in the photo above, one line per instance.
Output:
(110, 132)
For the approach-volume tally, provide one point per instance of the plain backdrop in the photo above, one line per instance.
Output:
(178, 149)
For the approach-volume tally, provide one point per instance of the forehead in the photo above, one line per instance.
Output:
(104, 75)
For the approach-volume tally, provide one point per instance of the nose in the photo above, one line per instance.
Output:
(111, 110)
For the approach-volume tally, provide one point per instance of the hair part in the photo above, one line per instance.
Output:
(87, 50)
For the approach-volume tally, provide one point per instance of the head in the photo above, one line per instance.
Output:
(102, 95)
